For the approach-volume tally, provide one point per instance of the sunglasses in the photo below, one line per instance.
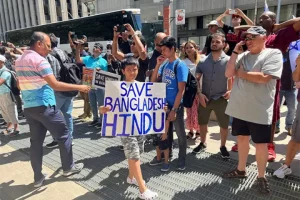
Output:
(252, 37)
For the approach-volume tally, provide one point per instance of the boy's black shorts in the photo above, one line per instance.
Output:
(162, 144)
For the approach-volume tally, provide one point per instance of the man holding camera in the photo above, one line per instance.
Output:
(138, 50)
(233, 36)
(96, 96)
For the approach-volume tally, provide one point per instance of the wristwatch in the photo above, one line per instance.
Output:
(175, 109)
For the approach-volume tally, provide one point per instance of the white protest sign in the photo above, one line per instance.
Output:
(100, 77)
(137, 108)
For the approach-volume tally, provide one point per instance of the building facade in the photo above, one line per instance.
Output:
(18, 14)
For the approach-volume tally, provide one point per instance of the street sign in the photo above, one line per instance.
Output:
(180, 17)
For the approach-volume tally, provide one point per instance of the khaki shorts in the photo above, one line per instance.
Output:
(296, 126)
(219, 107)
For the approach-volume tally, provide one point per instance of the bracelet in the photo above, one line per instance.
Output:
(235, 52)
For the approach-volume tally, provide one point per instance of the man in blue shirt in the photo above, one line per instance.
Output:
(96, 96)
(175, 84)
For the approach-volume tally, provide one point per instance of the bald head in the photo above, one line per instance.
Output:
(270, 14)
(40, 42)
(37, 36)
(160, 35)
(158, 38)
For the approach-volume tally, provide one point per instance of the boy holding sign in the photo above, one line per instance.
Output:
(133, 144)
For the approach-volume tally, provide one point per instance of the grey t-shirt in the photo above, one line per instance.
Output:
(253, 102)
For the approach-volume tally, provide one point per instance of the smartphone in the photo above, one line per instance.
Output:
(121, 28)
(4, 44)
(232, 12)
(108, 52)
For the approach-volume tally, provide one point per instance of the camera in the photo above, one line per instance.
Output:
(121, 28)
(232, 12)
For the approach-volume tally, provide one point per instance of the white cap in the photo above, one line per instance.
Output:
(213, 22)
(2, 58)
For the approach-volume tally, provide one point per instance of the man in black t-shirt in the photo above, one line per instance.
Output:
(213, 28)
(138, 51)
(233, 36)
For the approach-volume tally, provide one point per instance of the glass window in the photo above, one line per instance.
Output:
(192, 23)
(202, 42)
(286, 13)
(195, 39)
(206, 20)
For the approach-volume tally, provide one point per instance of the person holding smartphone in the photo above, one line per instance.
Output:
(233, 36)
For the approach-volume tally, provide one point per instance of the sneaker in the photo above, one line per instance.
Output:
(199, 148)
(271, 152)
(155, 162)
(133, 181)
(7, 132)
(52, 145)
(148, 195)
(75, 169)
(224, 153)
(165, 167)
(40, 182)
(235, 148)
(83, 116)
(98, 126)
(93, 123)
(263, 185)
(282, 171)
(181, 166)
(277, 130)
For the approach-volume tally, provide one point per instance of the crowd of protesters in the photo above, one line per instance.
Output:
(243, 73)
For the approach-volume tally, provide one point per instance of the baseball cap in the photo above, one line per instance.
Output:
(213, 23)
(98, 45)
(255, 30)
(2, 58)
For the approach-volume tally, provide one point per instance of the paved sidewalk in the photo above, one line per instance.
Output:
(106, 170)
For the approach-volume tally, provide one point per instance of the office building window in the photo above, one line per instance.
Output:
(298, 10)
(286, 13)
(199, 22)
(206, 20)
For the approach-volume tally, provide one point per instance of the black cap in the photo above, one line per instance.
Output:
(255, 30)
(98, 45)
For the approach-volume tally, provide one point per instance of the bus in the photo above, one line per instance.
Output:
(98, 28)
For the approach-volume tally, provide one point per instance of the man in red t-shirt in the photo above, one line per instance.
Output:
(279, 37)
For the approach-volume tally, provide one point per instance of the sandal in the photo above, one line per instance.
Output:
(7, 131)
(190, 135)
(235, 174)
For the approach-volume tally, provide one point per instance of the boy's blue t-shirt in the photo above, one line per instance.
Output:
(168, 77)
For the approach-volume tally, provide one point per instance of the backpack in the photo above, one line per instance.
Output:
(14, 90)
(69, 73)
(190, 87)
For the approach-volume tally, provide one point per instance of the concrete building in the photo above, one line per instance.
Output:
(17, 14)
(198, 13)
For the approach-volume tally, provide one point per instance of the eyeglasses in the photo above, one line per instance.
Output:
(47, 45)
(252, 37)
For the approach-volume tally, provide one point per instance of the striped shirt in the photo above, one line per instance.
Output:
(31, 69)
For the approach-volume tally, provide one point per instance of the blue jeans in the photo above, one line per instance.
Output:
(96, 97)
(291, 102)
(65, 104)
(41, 119)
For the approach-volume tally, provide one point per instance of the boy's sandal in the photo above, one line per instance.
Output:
(190, 135)
(235, 174)
(7, 132)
